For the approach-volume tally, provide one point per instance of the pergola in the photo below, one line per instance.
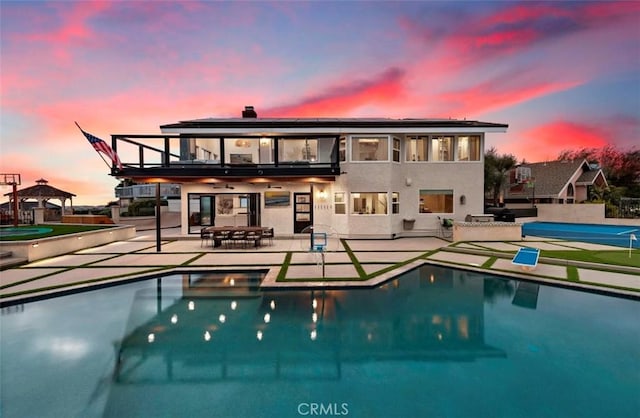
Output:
(42, 193)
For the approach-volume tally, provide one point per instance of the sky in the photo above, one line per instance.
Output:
(562, 74)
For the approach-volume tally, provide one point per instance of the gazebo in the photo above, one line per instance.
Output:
(42, 193)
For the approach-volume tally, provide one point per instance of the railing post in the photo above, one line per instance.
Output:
(165, 156)
(141, 156)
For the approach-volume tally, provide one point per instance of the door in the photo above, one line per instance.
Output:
(207, 210)
(253, 210)
(302, 212)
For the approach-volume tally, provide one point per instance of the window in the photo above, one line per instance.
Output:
(369, 203)
(417, 147)
(342, 149)
(339, 204)
(396, 149)
(436, 201)
(442, 148)
(469, 148)
(370, 149)
(298, 150)
(395, 202)
(241, 151)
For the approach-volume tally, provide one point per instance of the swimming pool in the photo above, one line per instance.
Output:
(617, 235)
(434, 343)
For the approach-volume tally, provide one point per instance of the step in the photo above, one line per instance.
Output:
(8, 262)
(5, 254)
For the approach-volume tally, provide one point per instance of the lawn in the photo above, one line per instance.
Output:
(615, 257)
(55, 230)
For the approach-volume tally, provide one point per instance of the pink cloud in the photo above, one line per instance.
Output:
(547, 141)
(347, 97)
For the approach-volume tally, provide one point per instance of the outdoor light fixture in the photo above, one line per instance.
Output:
(259, 335)
(222, 318)
(273, 304)
(151, 337)
(234, 305)
(207, 336)
(267, 318)
(191, 305)
(174, 319)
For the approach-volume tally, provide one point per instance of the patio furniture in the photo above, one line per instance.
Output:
(205, 235)
(267, 233)
(239, 237)
(221, 237)
(254, 236)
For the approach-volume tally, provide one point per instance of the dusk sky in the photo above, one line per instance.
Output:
(563, 75)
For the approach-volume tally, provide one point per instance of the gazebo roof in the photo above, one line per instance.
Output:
(42, 190)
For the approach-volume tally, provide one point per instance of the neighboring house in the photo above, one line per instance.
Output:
(127, 194)
(553, 182)
(360, 177)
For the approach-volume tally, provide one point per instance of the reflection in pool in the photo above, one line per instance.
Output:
(435, 342)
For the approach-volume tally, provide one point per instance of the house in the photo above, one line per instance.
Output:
(553, 182)
(360, 177)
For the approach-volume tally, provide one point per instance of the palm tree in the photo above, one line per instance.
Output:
(496, 168)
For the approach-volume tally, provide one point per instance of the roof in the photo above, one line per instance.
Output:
(329, 124)
(551, 177)
(41, 191)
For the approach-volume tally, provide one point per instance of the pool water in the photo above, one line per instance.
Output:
(8, 231)
(616, 235)
(436, 342)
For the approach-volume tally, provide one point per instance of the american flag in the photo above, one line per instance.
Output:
(101, 146)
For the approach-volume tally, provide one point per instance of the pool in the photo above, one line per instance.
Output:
(8, 231)
(436, 342)
(617, 235)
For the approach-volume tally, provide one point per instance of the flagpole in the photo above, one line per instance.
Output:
(632, 237)
(101, 156)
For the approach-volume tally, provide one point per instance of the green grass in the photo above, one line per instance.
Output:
(613, 257)
(56, 230)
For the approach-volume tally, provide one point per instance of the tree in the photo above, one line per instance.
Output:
(496, 168)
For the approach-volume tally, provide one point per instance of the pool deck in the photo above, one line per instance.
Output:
(365, 264)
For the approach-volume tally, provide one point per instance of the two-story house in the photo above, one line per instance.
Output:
(362, 177)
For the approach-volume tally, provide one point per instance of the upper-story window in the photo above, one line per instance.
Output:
(469, 148)
(342, 149)
(298, 150)
(396, 149)
(370, 148)
(416, 148)
(441, 148)
(200, 149)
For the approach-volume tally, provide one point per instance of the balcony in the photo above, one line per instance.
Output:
(183, 158)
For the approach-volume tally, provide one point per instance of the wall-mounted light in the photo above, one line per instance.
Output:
(463, 199)
(408, 181)
(322, 194)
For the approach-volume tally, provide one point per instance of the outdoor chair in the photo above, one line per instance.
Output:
(267, 233)
(255, 237)
(239, 237)
(204, 236)
(222, 237)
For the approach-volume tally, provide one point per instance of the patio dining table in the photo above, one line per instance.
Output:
(232, 229)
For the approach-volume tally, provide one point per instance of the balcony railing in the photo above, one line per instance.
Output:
(216, 156)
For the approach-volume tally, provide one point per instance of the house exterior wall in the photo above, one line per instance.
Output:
(407, 179)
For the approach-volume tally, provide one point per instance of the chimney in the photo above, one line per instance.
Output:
(249, 112)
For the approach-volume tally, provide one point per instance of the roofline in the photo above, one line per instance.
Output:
(291, 125)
